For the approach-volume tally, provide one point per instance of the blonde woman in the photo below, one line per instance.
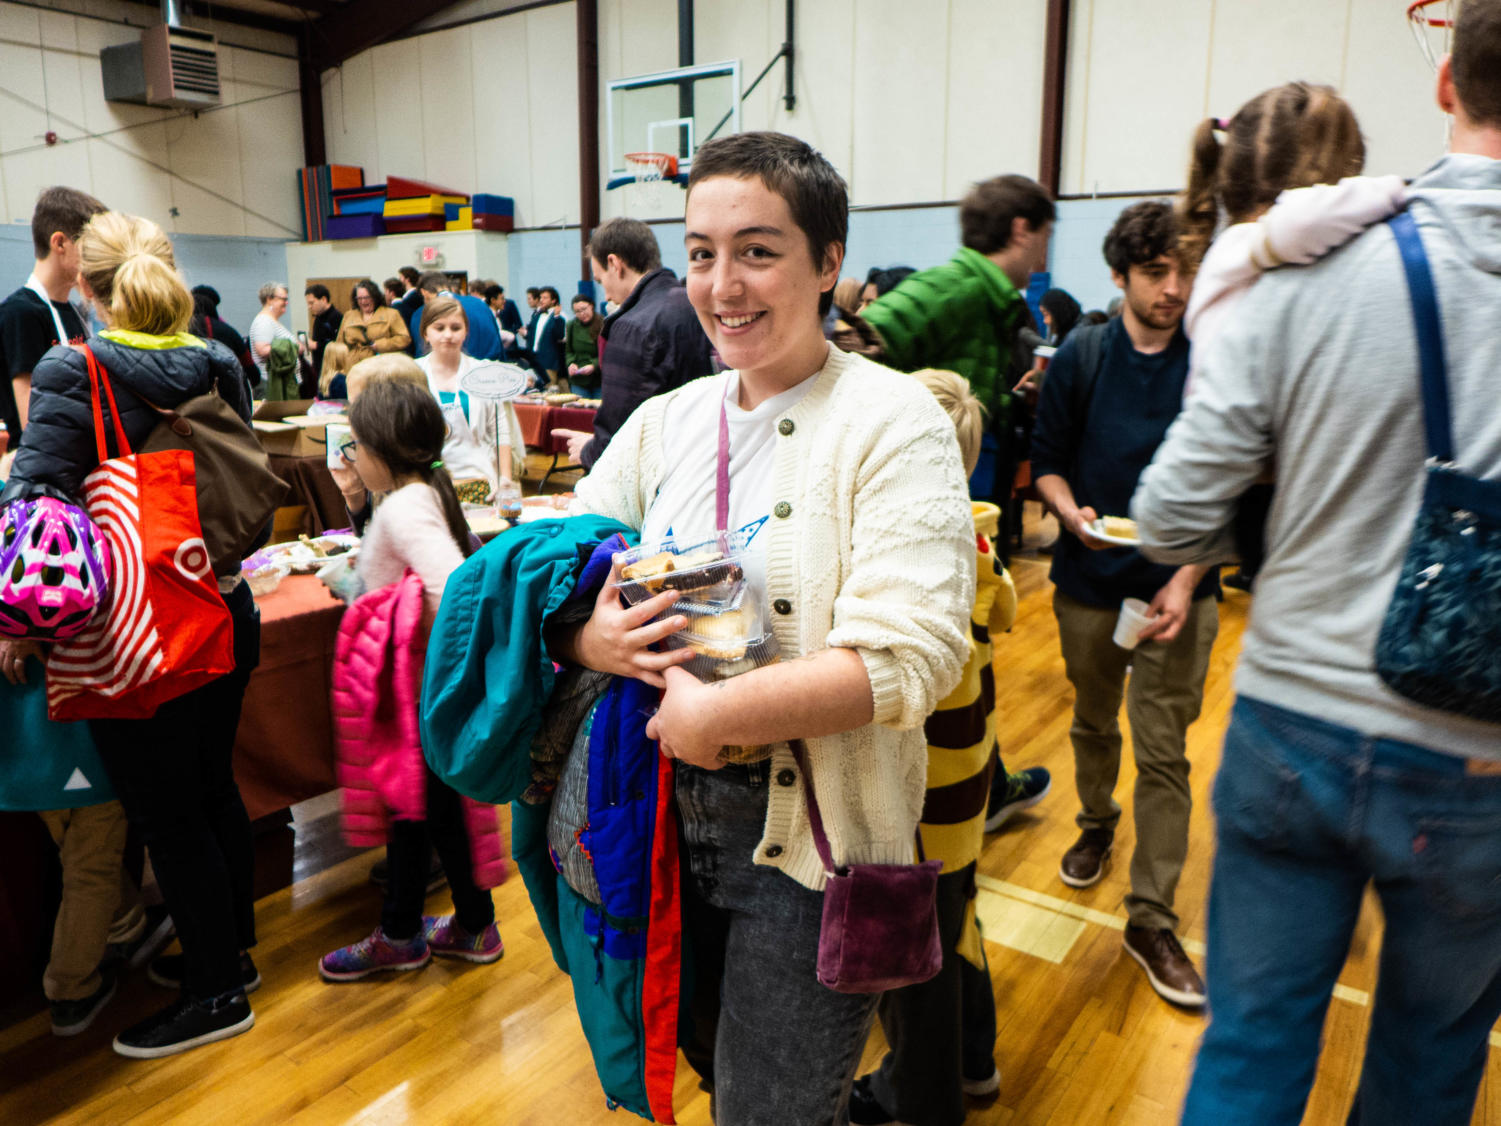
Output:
(481, 452)
(173, 771)
(372, 327)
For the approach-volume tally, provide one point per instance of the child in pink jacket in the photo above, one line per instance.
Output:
(416, 538)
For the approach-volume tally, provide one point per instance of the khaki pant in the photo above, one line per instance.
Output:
(100, 903)
(1164, 696)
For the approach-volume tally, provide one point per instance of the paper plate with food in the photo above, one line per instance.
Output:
(1120, 531)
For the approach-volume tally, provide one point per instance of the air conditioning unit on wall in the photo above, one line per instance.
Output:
(170, 66)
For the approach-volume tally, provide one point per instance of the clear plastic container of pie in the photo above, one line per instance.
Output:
(726, 644)
(707, 574)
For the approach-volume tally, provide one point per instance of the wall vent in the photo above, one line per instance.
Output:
(171, 66)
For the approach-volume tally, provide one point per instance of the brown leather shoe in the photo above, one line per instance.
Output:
(1168, 969)
(1084, 864)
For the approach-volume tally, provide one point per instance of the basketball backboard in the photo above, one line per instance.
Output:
(670, 111)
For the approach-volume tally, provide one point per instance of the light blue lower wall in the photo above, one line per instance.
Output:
(919, 237)
(236, 267)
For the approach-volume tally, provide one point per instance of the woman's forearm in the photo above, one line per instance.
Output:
(825, 694)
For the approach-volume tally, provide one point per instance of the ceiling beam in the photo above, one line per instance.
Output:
(345, 33)
(320, 7)
(221, 14)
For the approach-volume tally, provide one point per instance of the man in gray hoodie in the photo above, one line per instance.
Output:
(1329, 779)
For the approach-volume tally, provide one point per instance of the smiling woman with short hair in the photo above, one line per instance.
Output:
(847, 479)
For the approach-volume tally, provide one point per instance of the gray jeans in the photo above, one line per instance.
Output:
(777, 1047)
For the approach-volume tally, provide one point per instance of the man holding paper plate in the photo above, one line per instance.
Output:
(1112, 391)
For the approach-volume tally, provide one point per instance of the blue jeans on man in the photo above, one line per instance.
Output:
(1308, 814)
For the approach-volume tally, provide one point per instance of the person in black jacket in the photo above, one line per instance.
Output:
(172, 772)
(208, 324)
(653, 341)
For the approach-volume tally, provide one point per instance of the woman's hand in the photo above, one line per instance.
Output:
(13, 656)
(679, 723)
(617, 639)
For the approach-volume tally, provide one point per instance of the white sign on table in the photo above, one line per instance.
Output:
(495, 380)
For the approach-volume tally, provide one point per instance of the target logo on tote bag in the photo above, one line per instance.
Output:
(166, 629)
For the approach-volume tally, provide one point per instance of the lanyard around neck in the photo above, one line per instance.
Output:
(33, 284)
(722, 474)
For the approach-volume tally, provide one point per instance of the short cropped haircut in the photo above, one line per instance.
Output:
(557, 298)
(987, 213)
(494, 291)
(1142, 232)
(434, 282)
(319, 291)
(533, 291)
(964, 410)
(584, 297)
(61, 209)
(410, 274)
(1476, 60)
(630, 240)
(268, 291)
(815, 193)
(393, 285)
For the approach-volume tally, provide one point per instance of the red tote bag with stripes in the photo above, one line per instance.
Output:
(165, 629)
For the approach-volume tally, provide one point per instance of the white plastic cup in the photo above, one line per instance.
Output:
(1133, 620)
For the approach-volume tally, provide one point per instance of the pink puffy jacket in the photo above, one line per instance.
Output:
(377, 682)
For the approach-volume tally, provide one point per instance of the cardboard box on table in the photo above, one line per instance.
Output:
(285, 428)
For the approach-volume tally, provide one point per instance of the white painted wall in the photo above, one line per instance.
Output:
(487, 107)
(1144, 73)
(230, 171)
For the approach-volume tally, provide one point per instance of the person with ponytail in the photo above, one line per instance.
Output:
(172, 772)
(1294, 136)
(397, 435)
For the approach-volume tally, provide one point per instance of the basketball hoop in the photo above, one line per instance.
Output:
(1431, 22)
(651, 167)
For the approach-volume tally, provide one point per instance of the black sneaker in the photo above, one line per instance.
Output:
(186, 1024)
(1238, 580)
(69, 1018)
(1012, 793)
(865, 1109)
(156, 933)
(167, 971)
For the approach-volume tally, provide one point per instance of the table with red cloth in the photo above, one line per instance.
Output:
(284, 752)
(312, 486)
(539, 419)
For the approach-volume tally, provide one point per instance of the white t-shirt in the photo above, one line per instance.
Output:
(684, 506)
(263, 330)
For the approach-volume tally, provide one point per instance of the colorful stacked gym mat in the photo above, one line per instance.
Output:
(347, 208)
(317, 183)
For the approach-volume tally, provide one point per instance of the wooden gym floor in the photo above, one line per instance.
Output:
(1083, 1040)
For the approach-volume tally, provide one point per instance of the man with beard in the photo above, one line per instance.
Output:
(1110, 395)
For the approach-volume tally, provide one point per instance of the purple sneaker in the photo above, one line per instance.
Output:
(375, 954)
(447, 939)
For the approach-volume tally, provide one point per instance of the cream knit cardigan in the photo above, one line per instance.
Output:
(872, 542)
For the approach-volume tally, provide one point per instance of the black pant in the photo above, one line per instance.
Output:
(174, 775)
(1250, 527)
(940, 1030)
(409, 845)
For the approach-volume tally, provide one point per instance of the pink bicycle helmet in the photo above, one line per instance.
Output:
(54, 569)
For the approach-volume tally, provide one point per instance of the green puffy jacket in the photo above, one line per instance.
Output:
(961, 316)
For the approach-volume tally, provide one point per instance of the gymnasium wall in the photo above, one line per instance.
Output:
(229, 171)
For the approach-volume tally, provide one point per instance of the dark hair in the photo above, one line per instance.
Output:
(815, 193)
(987, 213)
(533, 291)
(630, 240)
(1475, 60)
(577, 297)
(209, 294)
(402, 424)
(318, 291)
(494, 291)
(61, 209)
(203, 309)
(393, 285)
(434, 282)
(888, 278)
(1291, 136)
(557, 298)
(1064, 310)
(354, 294)
(1142, 232)
(1095, 317)
(410, 274)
